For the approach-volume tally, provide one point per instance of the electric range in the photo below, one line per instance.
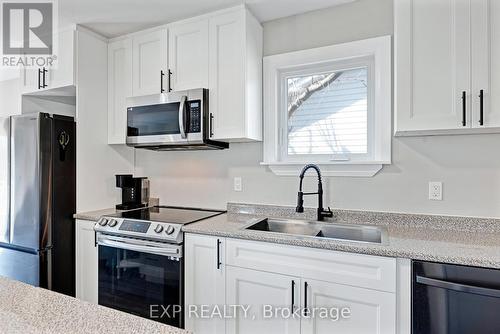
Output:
(141, 265)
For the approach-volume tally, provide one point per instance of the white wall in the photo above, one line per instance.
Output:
(469, 166)
(97, 162)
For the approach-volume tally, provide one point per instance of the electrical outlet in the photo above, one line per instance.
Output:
(436, 191)
(237, 183)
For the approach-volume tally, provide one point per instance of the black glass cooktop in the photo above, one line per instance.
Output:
(169, 214)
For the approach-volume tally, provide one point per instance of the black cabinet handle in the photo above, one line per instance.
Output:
(293, 295)
(169, 80)
(161, 81)
(44, 75)
(218, 254)
(211, 125)
(481, 107)
(464, 108)
(95, 239)
(306, 311)
(39, 78)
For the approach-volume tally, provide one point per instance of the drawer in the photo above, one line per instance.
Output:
(372, 272)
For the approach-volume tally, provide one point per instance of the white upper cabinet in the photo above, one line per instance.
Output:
(60, 73)
(485, 25)
(188, 54)
(221, 51)
(235, 76)
(443, 51)
(149, 59)
(63, 72)
(119, 88)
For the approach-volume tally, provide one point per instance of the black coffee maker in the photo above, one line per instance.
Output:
(135, 191)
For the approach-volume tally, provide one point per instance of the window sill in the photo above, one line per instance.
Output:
(327, 169)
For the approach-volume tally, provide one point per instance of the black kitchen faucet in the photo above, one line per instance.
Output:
(322, 213)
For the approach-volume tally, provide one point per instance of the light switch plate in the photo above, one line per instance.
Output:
(436, 191)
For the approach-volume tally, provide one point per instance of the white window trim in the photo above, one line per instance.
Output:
(379, 50)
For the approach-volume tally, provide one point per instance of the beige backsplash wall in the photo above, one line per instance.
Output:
(468, 166)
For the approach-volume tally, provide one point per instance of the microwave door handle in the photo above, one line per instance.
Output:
(182, 116)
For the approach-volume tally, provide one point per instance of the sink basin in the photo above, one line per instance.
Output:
(346, 232)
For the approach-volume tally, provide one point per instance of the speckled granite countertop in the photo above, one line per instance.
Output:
(25, 309)
(95, 215)
(459, 240)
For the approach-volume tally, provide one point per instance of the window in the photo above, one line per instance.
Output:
(330, 106)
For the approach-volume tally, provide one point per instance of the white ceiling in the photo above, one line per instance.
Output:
(117, 17)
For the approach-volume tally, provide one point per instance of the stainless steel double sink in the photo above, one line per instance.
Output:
(320, 230)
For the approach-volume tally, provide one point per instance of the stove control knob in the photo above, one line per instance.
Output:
(112, 223)
(170, 230)
(103, 222)
(158, 228)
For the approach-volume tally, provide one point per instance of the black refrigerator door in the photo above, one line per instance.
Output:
(63, 204)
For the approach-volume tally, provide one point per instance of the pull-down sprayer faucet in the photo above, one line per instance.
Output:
(322, 213)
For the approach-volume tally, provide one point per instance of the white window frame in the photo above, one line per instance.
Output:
(374, 53)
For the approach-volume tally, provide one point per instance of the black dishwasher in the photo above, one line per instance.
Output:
(454, 299)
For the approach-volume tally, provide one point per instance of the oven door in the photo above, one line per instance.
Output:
(141, 277)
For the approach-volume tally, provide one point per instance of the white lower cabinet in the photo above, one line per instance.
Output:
(204, 282)
(365, 311)
(86, 261)
(359, 293)
(267, 295)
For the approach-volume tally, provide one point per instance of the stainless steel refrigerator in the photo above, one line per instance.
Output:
(37, 200)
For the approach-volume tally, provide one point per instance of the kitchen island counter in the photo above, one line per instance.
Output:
(26, 309)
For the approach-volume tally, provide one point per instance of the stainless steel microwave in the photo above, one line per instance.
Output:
(171, 121)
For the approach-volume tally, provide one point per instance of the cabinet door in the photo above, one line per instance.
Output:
(227, 75)
(485, 21)
(30, 77)
(149, 60)
(204, 280)
(119, 88)
(188, 55)
(371, 311)
(61, 74)
(256, 289)
(432, 45)
(86, 261)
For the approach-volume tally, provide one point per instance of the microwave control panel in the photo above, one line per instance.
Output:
(194, 116)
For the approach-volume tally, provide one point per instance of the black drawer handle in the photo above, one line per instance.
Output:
(161, 81)
(44, 75)
(464, 108)
(39, 78)
(169, 80)
(477, 290)
(481, 107)
(293, 295)
(306, 310)
(218, 254)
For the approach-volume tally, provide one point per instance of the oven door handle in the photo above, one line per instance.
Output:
(182, 116)
(147, 247)
(477, 290)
